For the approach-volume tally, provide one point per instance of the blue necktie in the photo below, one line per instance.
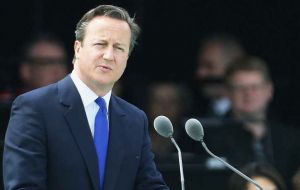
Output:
(101, 137)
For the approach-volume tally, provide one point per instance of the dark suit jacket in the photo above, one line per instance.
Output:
(49, 145)
(280, 146)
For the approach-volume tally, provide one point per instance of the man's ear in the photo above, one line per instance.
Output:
(77, 47)
(25, 72)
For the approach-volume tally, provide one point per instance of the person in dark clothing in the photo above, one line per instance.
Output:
(214, 56)
(249, 134)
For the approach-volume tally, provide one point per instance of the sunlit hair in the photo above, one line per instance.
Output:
(111, 12)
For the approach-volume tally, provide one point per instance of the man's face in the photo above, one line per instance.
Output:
(210, 62)
(266, 183)
(45, 66)
(165, 100)
(210, 71)
(101, 57)
(249, 92)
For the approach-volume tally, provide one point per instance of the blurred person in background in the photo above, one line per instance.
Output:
(44, 62)
(249, 134)
(171, 100)
(296, 180)
(264, 174)
(250, 90)
(215, 54)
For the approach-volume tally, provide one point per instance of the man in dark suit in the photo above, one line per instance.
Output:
(249, 133)
(52, 141)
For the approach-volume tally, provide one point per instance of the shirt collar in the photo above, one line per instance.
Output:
(87, 95)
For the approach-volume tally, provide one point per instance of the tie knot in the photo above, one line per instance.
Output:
(101, 103)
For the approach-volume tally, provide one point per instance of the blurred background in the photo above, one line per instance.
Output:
(171, 32)
(167, 50)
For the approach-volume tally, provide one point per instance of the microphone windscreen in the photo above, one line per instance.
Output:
(194, 129)
(163, 126)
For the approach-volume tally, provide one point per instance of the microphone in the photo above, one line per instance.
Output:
(195, 130)
(164, 127)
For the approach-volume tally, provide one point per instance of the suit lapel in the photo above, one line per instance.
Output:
(117, 136)
(77, 121)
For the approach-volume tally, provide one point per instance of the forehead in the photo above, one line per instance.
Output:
(265, 182)
(249, 76)
(165, 90)
(103, 25)
(47, 49)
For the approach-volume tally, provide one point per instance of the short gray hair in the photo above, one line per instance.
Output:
(112, 12)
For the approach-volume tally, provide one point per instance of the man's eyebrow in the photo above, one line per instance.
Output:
(99, 40)
(120, 44)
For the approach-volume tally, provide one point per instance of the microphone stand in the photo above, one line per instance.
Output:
(231, 167)
(180, 162)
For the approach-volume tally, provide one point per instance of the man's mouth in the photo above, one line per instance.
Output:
(105, 68)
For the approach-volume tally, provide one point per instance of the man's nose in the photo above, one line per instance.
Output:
(108, 53)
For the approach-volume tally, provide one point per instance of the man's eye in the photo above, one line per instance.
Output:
(120, 48)
(99, 44)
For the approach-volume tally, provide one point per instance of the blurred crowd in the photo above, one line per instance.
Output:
(230, 95)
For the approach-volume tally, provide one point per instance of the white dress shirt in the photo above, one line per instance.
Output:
(88, 98)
